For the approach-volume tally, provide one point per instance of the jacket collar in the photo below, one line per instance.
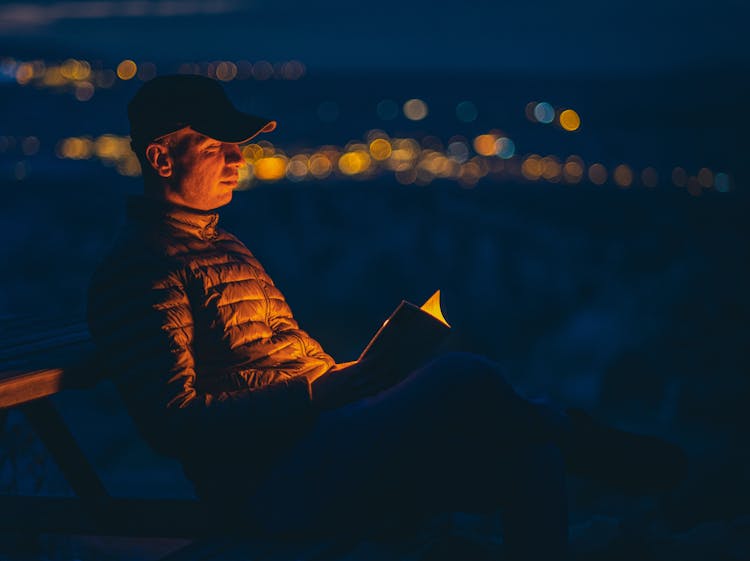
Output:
(153, 212)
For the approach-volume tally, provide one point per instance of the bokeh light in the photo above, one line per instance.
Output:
(270, 168)
(570, 120)
(30, 145)
(466, 112)
(320, 166)
(146, 71)
(380, 149)
(573, 170)
(722, 182)
(650, 177)
(679, 177)
(415, 109)
(623, 176)
(262, 70)
(226, 71)
(505, 147)
(551, 169)
(484, 144)
(126, 70)
(598, 174)
(458, 151)
(706, 178)
(544, 112)
(297, 168)
(532, 167)
(84, 91)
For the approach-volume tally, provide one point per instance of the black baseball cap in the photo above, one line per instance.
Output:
(169, 103)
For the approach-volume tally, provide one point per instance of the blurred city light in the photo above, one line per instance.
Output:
(126, 70)
(597, 174)
(650, 177)
(722, 182)
(570, 120)
(380, 149)
(679, 177)
(505, 147)
(544, 112)
(623, 176)
(484, 144)
(415, 110)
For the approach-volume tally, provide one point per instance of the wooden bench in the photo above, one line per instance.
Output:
(43, 357)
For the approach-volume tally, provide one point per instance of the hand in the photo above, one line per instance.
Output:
(348, 382)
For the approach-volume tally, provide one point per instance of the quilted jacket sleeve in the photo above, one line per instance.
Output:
(142, 324)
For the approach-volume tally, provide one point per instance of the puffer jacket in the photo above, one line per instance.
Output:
(202, 346)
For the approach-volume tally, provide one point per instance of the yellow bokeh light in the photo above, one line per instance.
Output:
(126, 70)
(320, 166)
(623, 175)
(24, 73)
(484, 144)
(76, 148)
(252, 152)
(415, 109)
(129, 166)
(352, 163)
(570, 120)
(271, 168)
(598, 174)
(380, 149)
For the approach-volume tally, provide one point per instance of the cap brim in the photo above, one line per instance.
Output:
(235, 127)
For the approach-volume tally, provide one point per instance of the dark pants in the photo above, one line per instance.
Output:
(452, 436)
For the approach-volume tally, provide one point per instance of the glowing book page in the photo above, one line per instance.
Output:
(411, 333)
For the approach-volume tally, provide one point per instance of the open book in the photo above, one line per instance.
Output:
(410, 335)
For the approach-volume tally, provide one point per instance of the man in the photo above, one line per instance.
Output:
(216, 372)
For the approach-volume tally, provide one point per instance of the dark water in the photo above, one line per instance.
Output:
(630, 302)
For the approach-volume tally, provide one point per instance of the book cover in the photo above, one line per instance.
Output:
(410, 335)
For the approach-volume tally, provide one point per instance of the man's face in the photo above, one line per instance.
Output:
(204, 170)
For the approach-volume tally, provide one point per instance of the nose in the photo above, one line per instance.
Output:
(232, 154)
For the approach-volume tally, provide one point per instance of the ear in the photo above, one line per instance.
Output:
(158, 156)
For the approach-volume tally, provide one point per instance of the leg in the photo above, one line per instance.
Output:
(454, 435)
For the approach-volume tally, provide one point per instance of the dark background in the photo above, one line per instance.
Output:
(631, 302)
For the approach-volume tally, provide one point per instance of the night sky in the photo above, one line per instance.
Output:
(542, 36)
